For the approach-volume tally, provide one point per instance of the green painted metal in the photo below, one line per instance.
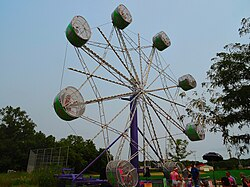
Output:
(117, 19)
(69, 104)
(184, 84)
(73, 38)
(192, 133)
(187, 82)
(164, 180)
(60, 111)
(71, 33)
(161, 41)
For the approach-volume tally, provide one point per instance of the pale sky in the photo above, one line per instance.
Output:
(33, 44)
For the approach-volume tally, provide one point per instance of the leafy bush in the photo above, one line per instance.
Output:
(45, 177)
(15, 179)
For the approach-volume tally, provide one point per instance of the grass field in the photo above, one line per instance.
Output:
(18, 179)
(23, 179)
(221, 173)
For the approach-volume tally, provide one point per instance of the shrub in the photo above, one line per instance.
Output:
(44, 177)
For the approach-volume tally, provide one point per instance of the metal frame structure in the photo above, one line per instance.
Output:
(138, 83)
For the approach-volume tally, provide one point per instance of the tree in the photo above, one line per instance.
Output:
(17, 138)
(178, 150)
(82, 152)
(228, 107)
(15, 129)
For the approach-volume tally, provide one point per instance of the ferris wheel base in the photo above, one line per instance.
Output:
(64, 179)
(70, 179)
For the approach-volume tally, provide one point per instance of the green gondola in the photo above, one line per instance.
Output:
(69, 104)
(195, 132)
(78, 31)
(161, 41)
(187, 82)
(121, 17)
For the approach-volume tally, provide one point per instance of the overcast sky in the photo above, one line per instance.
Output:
(33, 42)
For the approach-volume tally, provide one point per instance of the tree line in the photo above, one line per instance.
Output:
(18, 137)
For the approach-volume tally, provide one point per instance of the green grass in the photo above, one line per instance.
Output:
(44, 177)
(19, 179)
(221, 173)
(23, 179)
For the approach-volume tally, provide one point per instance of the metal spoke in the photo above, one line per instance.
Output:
(136, 78)
(104, 63)
(109, 44)
(98, 77)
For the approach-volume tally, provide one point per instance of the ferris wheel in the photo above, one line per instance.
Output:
(127, 91)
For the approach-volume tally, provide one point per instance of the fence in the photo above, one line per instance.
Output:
(43, 158)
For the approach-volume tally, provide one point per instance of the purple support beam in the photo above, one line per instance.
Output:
(134, 132)
(104, 151)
